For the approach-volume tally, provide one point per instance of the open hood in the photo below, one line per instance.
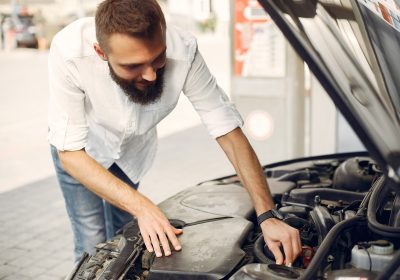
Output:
(353, 48)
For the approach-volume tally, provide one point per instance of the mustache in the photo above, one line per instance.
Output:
(151, 92)
(145, 82)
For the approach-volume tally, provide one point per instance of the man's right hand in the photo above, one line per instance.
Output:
(156, 229)
(154, 226)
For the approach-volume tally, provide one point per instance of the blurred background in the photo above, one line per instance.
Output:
(287, 114)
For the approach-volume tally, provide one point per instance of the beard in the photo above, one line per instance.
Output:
(148, 95)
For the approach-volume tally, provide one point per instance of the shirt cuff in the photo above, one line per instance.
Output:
(67, 137)
(222, 120)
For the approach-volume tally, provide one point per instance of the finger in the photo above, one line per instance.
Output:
(156, 244)
(164, 243)
(274, 248)
(296, 250)
(299, 241)
(172, 237)
(147, 242)
(177, 231)
(296, 244)
(288, 249)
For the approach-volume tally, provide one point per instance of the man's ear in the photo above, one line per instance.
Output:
(100, 52)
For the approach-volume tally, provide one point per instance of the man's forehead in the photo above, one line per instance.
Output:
(136, 50)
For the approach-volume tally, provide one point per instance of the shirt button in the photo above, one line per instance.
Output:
(130, 126)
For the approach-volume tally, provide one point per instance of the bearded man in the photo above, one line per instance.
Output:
(112, 79)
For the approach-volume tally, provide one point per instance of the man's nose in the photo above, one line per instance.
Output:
(149, 74)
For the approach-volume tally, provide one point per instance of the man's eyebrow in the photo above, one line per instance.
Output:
(139, 64)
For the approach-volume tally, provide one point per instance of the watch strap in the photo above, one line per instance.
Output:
(265, 216)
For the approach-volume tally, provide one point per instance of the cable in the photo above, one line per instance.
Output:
(379, 189)
(365, 246)
(326, 245)
(369, 258)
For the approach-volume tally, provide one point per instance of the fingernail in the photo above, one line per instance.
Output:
(158, 255)
(167, 253)
(178, 248)
(289, 265)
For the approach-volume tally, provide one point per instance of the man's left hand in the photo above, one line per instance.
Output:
(277, 233)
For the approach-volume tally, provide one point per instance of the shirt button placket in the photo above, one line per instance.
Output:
(130, 128)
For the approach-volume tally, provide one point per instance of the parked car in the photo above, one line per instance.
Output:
(346, 206)
(25, 32)
(22, 28)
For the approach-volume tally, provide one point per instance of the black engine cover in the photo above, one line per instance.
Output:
(211, 248)
(205, 202)
(210, 251)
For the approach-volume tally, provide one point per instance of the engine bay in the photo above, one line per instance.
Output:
(325, 198)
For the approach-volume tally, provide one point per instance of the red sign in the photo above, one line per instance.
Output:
(248, 13)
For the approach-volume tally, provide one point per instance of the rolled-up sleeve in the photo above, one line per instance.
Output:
(216, 111)
(68, 129)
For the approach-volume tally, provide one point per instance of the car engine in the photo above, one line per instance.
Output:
(326, 198)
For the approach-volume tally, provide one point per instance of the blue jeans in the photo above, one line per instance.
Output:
(92, 219)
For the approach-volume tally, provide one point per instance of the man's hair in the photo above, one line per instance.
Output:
(136, 18)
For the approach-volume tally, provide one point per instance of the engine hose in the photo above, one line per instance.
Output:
(259, 251)
(296, 222)
(364, 203)
(375, 201)
(297, 175)
(390, 268)
(333, 234)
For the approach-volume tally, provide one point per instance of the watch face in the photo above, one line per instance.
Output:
(277, 214)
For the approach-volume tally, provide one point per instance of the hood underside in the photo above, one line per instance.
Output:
(353, 51)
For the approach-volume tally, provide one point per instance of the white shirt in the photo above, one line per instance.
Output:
(87, 109)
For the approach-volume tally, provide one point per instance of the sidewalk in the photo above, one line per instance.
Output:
(35, 239)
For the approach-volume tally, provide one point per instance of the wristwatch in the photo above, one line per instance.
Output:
(273, 213)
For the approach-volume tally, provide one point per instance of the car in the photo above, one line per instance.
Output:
(24, 29)
(346, 206)
(25, 32)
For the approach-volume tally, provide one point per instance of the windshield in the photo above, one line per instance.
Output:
(382, 21)
(354, 53)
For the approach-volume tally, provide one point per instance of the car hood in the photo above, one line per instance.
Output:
(352, 47)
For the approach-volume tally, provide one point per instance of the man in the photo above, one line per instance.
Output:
(112, 80)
